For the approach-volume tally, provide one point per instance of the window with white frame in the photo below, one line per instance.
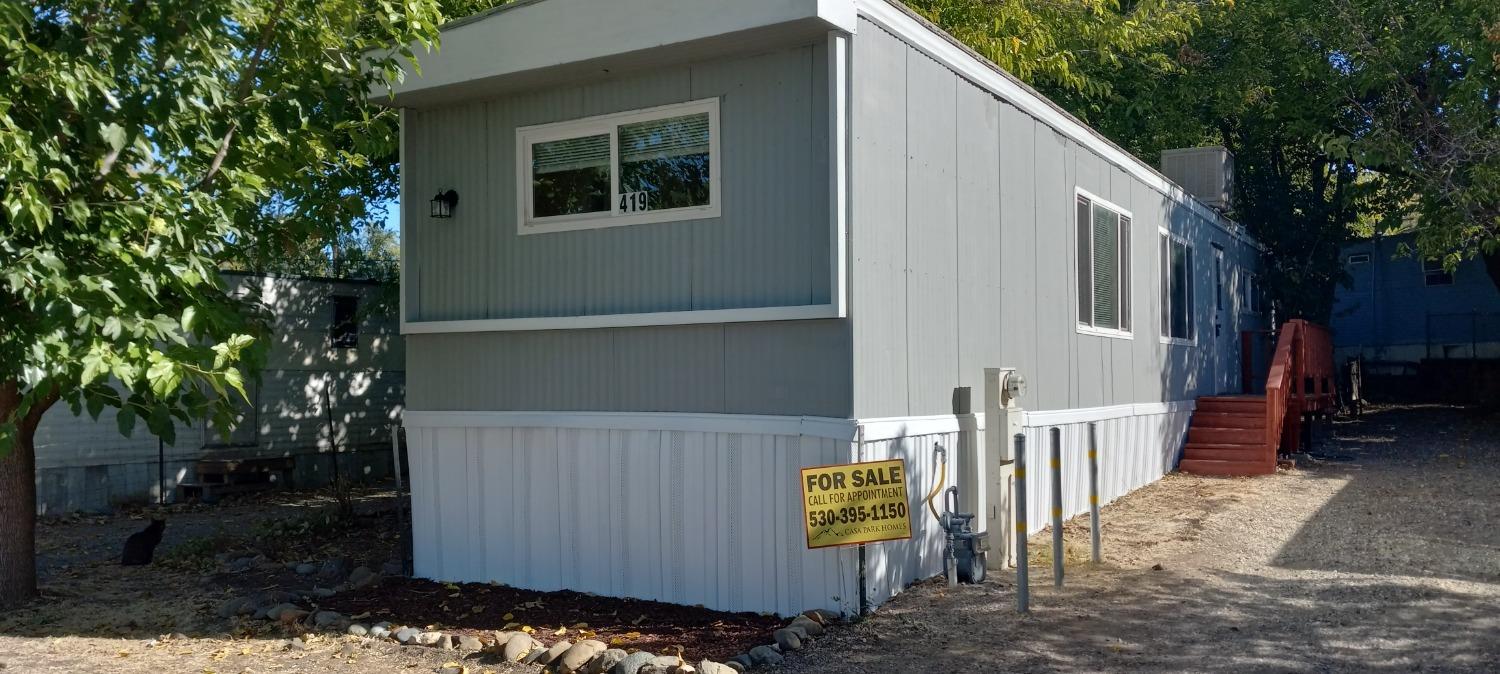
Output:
(1176, 279)
(1103, 267)
(1435, 274)
(631, 168)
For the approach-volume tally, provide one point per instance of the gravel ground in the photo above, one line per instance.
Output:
(1380, 553)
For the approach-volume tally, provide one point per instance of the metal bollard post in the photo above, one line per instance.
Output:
(1094, 491)
(1057, 508)
(1023, 575)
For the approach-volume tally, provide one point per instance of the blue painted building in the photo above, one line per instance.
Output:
(1402, 309)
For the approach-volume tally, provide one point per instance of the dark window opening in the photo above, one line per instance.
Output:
(1434, 274)
(344, 333)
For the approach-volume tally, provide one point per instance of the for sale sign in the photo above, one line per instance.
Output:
(855, 503)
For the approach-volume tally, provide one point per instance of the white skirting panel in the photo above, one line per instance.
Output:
(893, 565)
(677, 514)
(1137, 446)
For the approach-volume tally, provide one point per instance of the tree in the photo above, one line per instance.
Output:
(137, 140)
(1425, 79)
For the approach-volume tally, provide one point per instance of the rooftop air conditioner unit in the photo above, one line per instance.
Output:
(1205, 172)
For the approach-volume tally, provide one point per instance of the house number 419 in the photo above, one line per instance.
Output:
(633, 202)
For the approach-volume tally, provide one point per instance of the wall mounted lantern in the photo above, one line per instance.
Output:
(443, 204)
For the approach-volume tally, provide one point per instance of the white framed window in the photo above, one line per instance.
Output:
(630, 168)
(1103, 267)
(1175, 266)
(1435, 274)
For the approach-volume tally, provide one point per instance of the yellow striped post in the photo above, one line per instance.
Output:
(1057, 508)
(1023, 576)
(1094, 491)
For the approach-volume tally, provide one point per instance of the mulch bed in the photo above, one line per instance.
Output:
(629, 624)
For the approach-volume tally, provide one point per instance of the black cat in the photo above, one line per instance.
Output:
(142, 544)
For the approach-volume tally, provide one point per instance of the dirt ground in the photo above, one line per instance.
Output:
(1380, 554)
(97, 616)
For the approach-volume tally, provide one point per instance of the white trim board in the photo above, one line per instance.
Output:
(889, 428)
(756, 314)
(947, 50)
(819, 427)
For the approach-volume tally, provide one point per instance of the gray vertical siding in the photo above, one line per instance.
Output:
(770, 247)
(963, 253)
(789, 367)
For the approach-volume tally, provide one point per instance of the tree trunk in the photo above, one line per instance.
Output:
(18, 501)
(18, 523)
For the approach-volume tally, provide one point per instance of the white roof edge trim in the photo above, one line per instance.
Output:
(947, 50)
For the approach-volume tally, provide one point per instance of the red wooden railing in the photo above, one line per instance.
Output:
(1301, 382)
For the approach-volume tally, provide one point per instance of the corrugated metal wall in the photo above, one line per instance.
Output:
(893, 565)
(962, 252)
(686, 517)
(1134, 451)
(770, 247)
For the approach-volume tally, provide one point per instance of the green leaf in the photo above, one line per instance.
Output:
(113, 135)
(164, 377)
(125, 419)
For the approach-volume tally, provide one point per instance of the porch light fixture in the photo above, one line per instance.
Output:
(443, 204)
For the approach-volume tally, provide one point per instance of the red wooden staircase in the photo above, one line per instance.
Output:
(1242, 435)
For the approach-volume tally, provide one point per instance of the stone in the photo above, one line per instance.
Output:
(327, 619)
(765, 656)
(407, 635)
(306, 569)
(232, 607)
(241, 565)
(809, 626)
(323, 592)
(578, 655)
(518, 647)
(393, 568)
(357, 630)
(469, 643)
(823, 617)
(743, 660)
(334, 570)
(362, 577)
(380, 631)
(632, 663)
(736, 666)
(497, 641)
(604, 661)
(802, 634)
(444, 643)
(429, 638)
(787, 640)
(711, 667)
(554, 652)
(453, 668)
(297, 645)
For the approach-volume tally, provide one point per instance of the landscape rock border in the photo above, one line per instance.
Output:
(563, 657)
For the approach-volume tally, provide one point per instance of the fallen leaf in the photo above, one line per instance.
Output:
(560, 631)
(508, 616)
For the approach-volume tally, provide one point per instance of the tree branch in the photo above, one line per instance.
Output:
(247, 79)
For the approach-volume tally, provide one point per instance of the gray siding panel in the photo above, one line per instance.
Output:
(878, 241)
(964, 253)
(980, 329)
(792, 367)
(770, 247)
(931, 233)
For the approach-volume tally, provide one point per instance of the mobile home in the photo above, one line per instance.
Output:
(661, 254)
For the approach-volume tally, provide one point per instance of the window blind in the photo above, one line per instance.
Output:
(1106, 269)
(570, 154)
(660, 138)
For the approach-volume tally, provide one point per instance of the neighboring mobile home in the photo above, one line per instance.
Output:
(333, 336)
(683, 248)
(1400, 309)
